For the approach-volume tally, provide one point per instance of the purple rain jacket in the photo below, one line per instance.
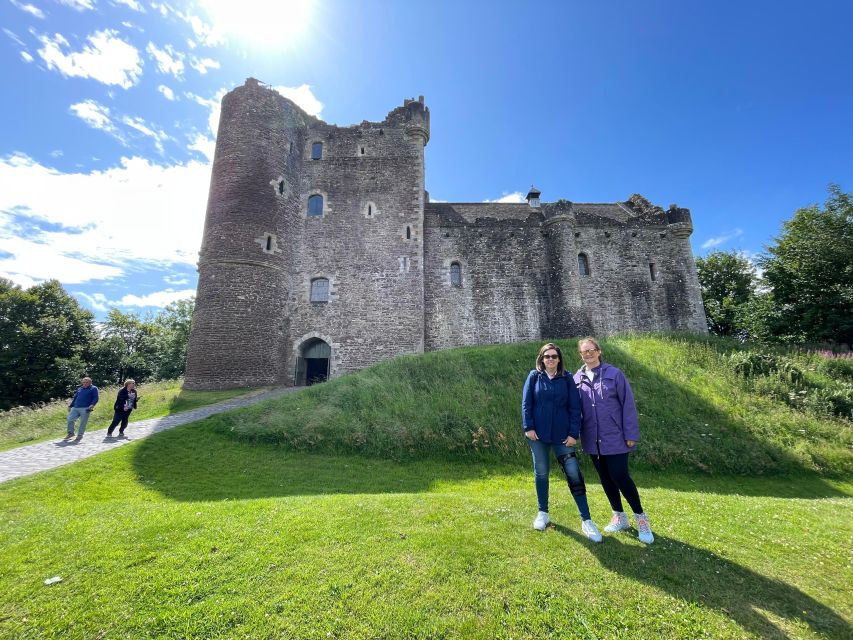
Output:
(552, 408)
(609, 412)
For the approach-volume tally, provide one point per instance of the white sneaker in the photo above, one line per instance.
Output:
(591, 531)
(542, 521)
(644, 528)
(619, 522)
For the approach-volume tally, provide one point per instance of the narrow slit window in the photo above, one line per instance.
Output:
(455, 274)
(408, 233)
(362, 151)
(281, 186)
(369, 210)
(317, 151)
(315, 205)
(583, 264)
(320, 290)
(269, 243)
(653, 271)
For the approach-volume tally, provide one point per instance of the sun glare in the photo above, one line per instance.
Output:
(260, 23)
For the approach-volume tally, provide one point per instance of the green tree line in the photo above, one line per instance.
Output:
(48, 342)
(799, 292)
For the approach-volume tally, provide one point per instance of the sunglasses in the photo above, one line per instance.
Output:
(588, 352)
(550, 357)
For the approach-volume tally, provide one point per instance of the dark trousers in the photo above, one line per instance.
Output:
(614, 476)
(119, 416)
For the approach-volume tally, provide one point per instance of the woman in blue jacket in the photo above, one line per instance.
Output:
(551, 415)
(610, 431)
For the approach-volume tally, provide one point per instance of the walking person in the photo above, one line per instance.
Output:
(551, 415)
(610, 431)
(126, 401)
(82, 403)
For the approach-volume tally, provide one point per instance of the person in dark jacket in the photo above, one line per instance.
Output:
(610, 431)
(126, 401)
(550, 413)
(82, 403)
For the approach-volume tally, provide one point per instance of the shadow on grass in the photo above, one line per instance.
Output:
(699, 576)
(193, 463)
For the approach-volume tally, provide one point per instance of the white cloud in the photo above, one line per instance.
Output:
(213, 104)
(203, 64)
(14, 37)
(166, 91)
(710, 243)
(97, 301)
(168, 60)
(79, 5)
(131, 4)
(514, 197)
(26, 56)
(29, 8)
(99, 117)
(107, 58)
(175, 280)
(156, 299)
(78, 227)
(204, 145)
(304, 97)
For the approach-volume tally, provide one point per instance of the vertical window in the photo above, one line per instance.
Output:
(281, 187)
(408, 233)
(455, 274)
(315, 205)
(583, 264)
(369, 210)
(362, 151)
(317, 151)
(319, 290)
(652, 271)
(269, 243)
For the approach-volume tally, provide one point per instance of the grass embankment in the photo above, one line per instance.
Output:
(696, 413)
(192, 535)
(25, 425)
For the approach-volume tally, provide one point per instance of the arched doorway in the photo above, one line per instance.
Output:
(312, 365)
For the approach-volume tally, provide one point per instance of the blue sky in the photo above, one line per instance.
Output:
(741, 111)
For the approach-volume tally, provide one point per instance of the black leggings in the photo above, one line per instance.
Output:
(614, 476)
(119, 416)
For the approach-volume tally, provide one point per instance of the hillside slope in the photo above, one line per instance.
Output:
(696, 412)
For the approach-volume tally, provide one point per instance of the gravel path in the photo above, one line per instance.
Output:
(33, 458)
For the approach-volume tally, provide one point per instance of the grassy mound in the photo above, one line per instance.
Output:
(696, 412)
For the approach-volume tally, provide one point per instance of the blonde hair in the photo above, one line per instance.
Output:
(589, 339)
(129, 381)
(540, 366)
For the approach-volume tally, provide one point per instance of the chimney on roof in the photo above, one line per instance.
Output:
(533, 197)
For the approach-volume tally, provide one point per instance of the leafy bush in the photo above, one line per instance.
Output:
(750, 365)
(837, 367)
(836, 400)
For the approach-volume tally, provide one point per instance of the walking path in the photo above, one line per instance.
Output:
(33, 458)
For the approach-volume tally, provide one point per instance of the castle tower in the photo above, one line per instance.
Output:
(680, 224)
(246, 255)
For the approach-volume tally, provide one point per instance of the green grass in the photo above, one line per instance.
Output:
(464, 404)
(191, 534)
(24, 425)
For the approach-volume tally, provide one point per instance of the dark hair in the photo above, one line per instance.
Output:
(540, 360)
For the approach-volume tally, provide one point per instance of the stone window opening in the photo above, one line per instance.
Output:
(362, 150)
(583, 265)
(653, 271)
(320, 290)
(455, 274)
(315, 205)
(269, 245)
(408, 232)
(281, 187)
(369, 210)
(317, 151)
(404, 264)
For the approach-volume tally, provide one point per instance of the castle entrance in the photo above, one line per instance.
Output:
(312, 365)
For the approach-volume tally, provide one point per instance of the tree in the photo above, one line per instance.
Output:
(810, 271)
(728, 282)
(126, 349)
(172, 338)
(45, 338)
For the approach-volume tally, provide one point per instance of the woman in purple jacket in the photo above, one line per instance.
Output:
(550, 415)
(609, 431)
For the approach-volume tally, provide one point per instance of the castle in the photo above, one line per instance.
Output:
(322, 254)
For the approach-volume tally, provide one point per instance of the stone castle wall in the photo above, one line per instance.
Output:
(387, 254)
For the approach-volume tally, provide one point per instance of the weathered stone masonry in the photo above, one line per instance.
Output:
(402, 275)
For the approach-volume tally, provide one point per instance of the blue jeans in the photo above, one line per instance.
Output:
(73, 414)
(568, 462)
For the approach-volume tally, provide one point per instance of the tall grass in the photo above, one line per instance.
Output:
(695, 412)
(27, 425)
